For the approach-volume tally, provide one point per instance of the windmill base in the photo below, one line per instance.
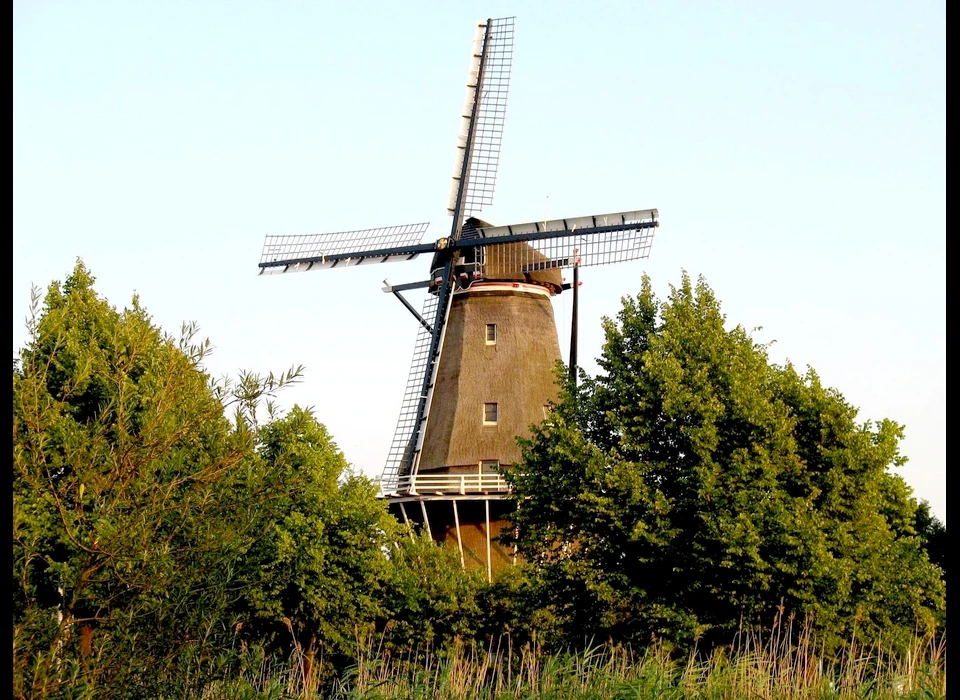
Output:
(471, 524)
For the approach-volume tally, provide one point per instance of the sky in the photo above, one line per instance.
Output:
(795, 151)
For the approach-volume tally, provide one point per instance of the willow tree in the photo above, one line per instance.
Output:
(693, 487)
(134, 499)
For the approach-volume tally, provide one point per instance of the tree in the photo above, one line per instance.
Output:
(133, 500)
(693, 486)
(429, 599)
(933, 536)
(317, 573)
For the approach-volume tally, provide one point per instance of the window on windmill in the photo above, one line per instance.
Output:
(489, 466)
(491, 334)
(491, 413)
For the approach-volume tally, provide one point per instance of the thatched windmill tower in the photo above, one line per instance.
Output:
(495, 379)
(483, 365)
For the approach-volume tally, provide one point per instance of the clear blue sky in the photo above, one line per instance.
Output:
(796, 152)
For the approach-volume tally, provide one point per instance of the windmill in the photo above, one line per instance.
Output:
(482, 368)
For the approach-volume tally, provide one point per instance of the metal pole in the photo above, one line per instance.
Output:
(413, 311)
(573, 325)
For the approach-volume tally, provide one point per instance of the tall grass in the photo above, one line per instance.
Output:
(771, 664)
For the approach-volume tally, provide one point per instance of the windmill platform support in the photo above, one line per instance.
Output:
(472, 524)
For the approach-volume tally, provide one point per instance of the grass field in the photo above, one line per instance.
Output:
(761, 665)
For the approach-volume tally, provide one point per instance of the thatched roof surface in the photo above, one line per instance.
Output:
(516, 373)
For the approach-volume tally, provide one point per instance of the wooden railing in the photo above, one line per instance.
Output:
(444, 484)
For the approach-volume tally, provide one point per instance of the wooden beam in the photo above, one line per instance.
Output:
(456, 520)
(489, 563)
(406, 520)
(426, 520)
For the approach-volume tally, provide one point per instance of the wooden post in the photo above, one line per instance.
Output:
(426, 520)
(489, 563)
(456, 520)
(406, 520)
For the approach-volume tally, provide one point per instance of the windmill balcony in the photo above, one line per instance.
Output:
(445, 485)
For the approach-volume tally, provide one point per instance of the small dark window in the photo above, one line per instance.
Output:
(491, 413)
(491, 334)
(489, 466)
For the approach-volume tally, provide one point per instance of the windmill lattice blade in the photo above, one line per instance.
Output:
(488, 130)
(585, 241)
(400, 457)
(585, 251)
(344, 248)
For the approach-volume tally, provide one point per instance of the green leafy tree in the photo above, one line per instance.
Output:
(429, 599)
(133, 499)
(318, 571)
(933, 536)
(693, 487)
(155, 539)
(334, 573)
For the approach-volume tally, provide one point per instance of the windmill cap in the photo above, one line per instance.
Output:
(505, 265)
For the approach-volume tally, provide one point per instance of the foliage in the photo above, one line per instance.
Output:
(512, 606)
(162, 549)
(317, 573)
(429, 599)
(333, 567)
(933, 536)
(158, 544)
(693, 487)
(132, 500)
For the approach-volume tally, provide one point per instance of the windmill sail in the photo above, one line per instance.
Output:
(342, 249)
(474, 177)
(585, 241)
(400, 457)
(485, 107)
